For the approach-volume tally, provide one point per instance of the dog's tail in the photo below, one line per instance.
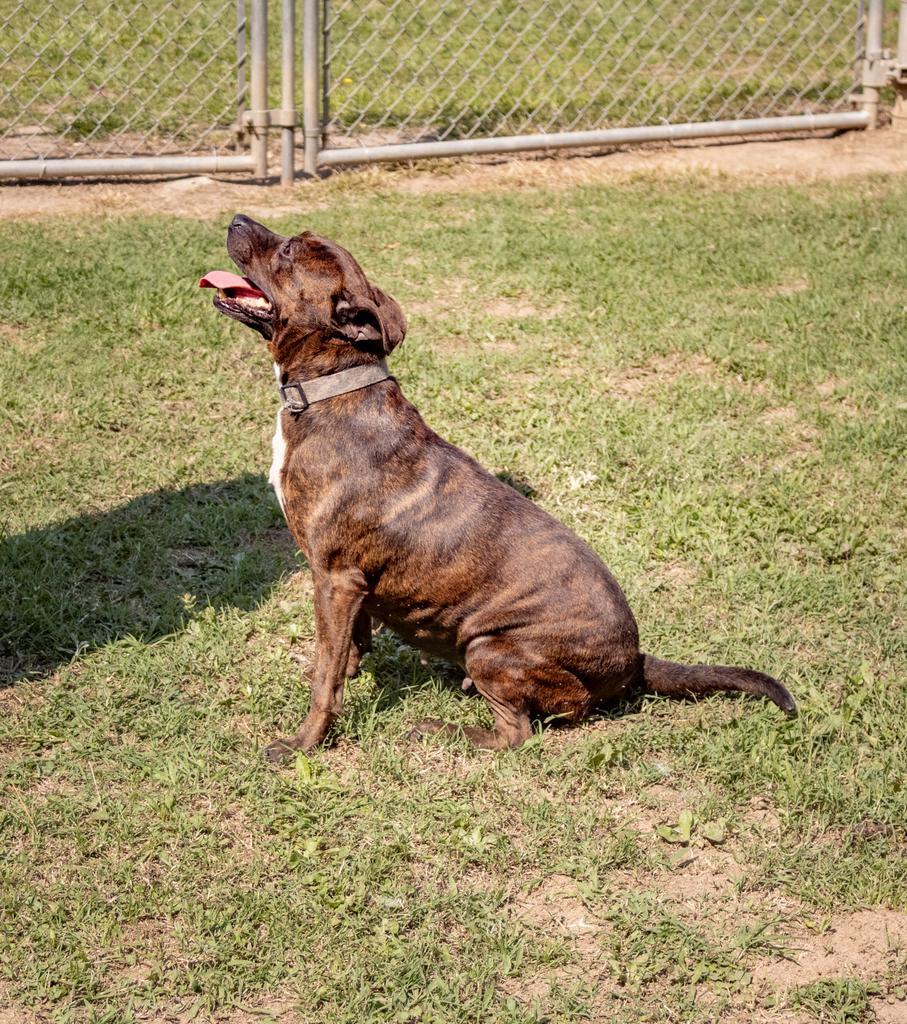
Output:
(672, 679)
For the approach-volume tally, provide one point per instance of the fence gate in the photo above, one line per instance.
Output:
(97, 87)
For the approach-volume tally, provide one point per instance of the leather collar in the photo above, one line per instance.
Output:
(298, 395)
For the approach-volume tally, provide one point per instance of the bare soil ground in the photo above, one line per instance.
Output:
(785, 159)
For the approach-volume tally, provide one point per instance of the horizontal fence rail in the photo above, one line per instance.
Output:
(164, 87)
(606, 137)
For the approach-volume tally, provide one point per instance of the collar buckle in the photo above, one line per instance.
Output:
(298, 404)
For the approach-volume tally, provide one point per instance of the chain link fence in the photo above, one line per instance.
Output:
(133, 86)
(398, 71)
(95, 78)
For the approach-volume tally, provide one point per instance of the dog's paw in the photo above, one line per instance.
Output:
(278, 752)
(426, 727)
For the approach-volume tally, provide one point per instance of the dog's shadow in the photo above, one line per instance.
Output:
(142, 569)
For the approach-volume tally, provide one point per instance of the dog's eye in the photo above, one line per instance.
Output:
(287, 248)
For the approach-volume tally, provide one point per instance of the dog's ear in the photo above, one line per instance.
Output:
(370, 321)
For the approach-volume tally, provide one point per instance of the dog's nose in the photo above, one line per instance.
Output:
(239, 220)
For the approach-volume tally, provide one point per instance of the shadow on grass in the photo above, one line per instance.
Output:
(142, 569)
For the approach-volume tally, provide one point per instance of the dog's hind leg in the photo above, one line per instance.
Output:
(362, 642)
(338, 601)
(505, 689)
(511, 729)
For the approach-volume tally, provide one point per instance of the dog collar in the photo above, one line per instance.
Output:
(298, 395)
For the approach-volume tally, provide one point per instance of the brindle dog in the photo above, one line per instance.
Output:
(400, 526)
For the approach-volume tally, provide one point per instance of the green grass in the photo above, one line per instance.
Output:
(707, 382)
(838, 1001)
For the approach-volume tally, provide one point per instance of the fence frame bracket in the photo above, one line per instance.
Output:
(274, 118)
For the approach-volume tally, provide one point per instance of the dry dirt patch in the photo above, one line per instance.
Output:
(790, 286)
(791, 159)
(144, 943)
(269, 1009)
(13, 336)
(781, 414)
(865, 944)
(11, 1013)
(837, 398)
(830, 386)
(283, 1009)
(554, 910)
(677, 575)
(802, 437)
(50, 786)
(701, 875)
(655, 805)
(889, 1013)
(523, 307)
(868, 944)
(705, 877)
(244, 841)
(637, 381)
(457, 294)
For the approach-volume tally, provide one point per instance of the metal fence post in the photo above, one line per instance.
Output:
(241, 93)
(288, 91)
(325, 70)
(259, 90)
(875, 10)
(899, 112)
(311, 120)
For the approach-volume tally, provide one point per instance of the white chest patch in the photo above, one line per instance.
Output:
(278, 455)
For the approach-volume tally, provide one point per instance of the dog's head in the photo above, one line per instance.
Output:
(303, 287)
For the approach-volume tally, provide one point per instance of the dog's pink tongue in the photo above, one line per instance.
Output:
(241, 287)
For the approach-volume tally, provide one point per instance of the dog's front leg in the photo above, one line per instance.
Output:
(338, 600)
